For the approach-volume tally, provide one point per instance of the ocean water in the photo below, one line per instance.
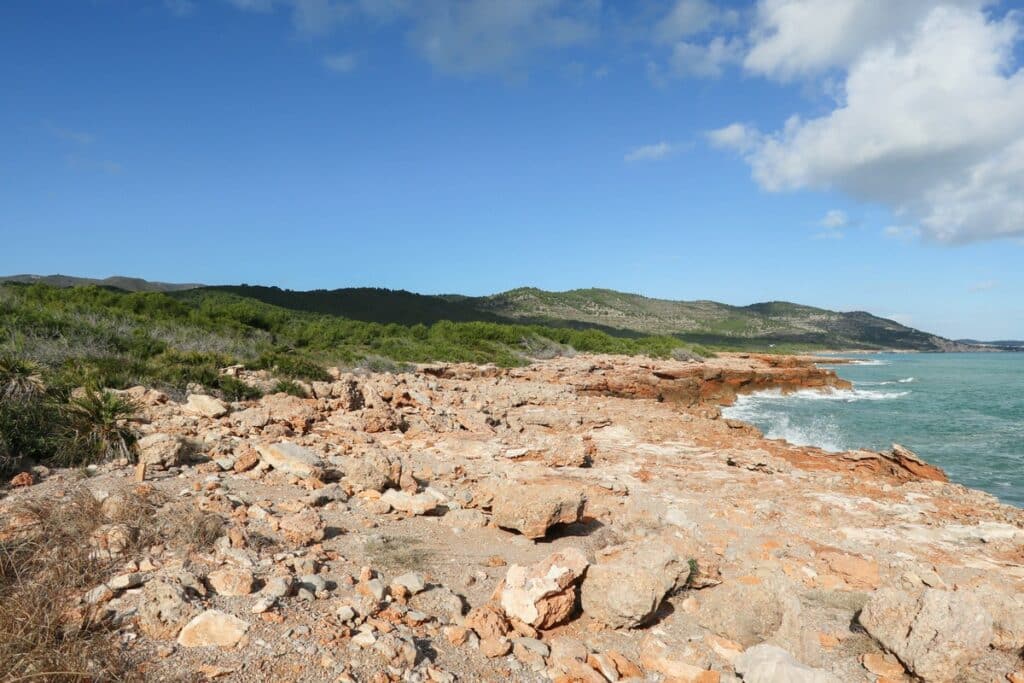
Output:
(961, 411)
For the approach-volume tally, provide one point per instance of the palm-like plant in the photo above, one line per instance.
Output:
(20, 380)
(98, 421)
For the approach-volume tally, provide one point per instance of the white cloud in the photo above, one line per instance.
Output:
(930, 124)
(476, 36)
(798, 37)
(659, 150)
(832, 225)
(983, 286)
(834, 220)
(457, 36)
(704, 60)
(343, 63)
(686, 18)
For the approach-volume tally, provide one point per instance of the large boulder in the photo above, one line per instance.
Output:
(205, 406)
(770, 664)
(213, 628)
(532, 509)
(935, 633)
(748, 610)
(291, 458)
(543, 595)
(627, 590)
(161, 451)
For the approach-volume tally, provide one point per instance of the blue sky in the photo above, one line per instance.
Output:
(475, 145)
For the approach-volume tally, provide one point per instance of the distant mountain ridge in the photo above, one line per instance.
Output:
(129, 284)
(757, 326)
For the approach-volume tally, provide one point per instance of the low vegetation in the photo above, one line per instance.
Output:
(56, 341)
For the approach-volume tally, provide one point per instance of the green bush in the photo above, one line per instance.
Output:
(289, 386)
(98, 428)
(234, 389)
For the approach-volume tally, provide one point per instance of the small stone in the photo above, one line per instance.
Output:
(303, 527)
(22, 479)
(495, 647)
(263, 604)
(882, 665)
(488, 622)
(291, 458)
(278, 587)
(411, 581)
(771, 664)
(231, 581)
(544, 594)
(213, 628)
(206, 406)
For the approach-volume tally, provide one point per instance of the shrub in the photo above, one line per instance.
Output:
(98, 429)
(20, 380)
(234, 389)
(290, 386)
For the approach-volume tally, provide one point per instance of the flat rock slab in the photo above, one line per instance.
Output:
(291, 458)
(213, 628)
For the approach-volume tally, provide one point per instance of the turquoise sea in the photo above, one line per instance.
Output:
(961, 411)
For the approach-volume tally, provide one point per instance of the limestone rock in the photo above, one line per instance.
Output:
(256, 417)
(418, 504)
(161, 451)
(373, 471)
(163, 610)
(206, 406)
(488, 622)
(532, 509)
(543, 595)
(303, 527)
(213, 628)
(935, 633)
(748, 613)
(626, 591)
(231, 581)
(770, 664)
(676, 660)
(291, 458)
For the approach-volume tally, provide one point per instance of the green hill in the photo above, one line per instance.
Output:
(774, 325)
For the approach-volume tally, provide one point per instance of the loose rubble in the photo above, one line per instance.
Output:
(579, 519)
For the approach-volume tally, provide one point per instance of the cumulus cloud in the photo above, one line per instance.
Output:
(691, 53)
(930, 122)
(659, 150)
(310, 17)
(689, 17)
(799, 37)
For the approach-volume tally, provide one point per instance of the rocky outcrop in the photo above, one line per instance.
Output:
(935, 633)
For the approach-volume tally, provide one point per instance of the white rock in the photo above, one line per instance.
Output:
(771, 664)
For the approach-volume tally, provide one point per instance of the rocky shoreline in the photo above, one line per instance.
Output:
(580, 519)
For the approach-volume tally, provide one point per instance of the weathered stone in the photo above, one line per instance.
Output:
(675, 659)
(410, 581)
(532, 509)
(487, 622)
(256, 417)
(291, 458)
(465, 518)
(748, 613)
(770, 664)
(206, 406)
(303, 527)
(161, 451)
(935, 633)
(163, 610)
(373, 471)
(212, 628)
(418, 504)
(231, 581)
(495, 647)
(626, 591)
(543, 595)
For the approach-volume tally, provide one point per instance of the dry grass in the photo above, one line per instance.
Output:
(44, 634)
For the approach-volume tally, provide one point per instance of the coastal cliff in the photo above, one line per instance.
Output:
(591, 518)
